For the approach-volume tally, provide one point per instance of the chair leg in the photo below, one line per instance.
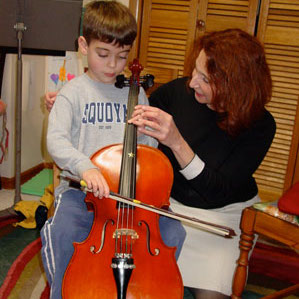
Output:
(56, 173)
(283, 293)
(246, 242)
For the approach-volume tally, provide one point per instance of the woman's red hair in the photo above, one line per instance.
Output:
(239, 75)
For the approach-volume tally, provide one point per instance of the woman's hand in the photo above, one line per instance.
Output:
(96, 182)
(157, 123)
(50, 98)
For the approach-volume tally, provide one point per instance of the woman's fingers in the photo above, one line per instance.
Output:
(156, 123)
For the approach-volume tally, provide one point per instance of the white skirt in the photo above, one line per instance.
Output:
(208, 261)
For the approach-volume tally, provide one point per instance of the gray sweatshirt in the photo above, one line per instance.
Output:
(86, 116)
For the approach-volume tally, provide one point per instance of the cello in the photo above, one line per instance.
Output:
(124, 255)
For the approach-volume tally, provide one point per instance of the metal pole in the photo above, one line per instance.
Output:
(20, 28)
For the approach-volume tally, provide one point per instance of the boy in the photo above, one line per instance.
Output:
(90, 113)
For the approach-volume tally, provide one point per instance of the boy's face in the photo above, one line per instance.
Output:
(105, 61)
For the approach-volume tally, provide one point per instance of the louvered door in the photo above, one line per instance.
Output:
(168, 28)
(278, 29)
(223, 14)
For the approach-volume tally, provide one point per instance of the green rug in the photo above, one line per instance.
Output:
(36, 185)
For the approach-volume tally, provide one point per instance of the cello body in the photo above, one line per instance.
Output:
(89, 275)
(124, 256)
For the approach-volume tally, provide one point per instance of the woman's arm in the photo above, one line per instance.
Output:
(222, 168)
(158, 124)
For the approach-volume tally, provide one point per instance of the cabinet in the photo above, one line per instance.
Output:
(168, 28)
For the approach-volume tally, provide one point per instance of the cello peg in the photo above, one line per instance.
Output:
(121, 81)
(148, 81)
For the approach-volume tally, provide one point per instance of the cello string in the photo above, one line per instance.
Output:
(127, 227)
(117, 228)
(132, 101)
(123, 230)
(132, 226)
(120, 228)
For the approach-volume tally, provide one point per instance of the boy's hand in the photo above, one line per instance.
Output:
(96, 182)
(50, 98)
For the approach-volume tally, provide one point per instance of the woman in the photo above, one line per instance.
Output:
(215, 130)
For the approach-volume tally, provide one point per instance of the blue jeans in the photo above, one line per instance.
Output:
(72, 223)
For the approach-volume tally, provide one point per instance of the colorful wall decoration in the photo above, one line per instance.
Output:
(62, 70)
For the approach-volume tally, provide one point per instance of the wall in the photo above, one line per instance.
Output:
(33, 114)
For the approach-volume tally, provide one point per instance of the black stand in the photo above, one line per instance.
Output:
(20, 28)
(50, 25)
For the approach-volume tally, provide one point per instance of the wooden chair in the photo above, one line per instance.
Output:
(253, 222)
(56, 172)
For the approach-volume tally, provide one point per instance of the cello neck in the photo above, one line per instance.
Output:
(127, 181)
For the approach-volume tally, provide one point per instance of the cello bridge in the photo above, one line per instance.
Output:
(118, 233)
(122, 255)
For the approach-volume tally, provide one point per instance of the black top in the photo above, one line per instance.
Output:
(229, 162)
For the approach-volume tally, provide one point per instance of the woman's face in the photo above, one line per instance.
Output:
(200, 81)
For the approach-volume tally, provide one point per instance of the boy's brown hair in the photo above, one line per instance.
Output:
(109, 21)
